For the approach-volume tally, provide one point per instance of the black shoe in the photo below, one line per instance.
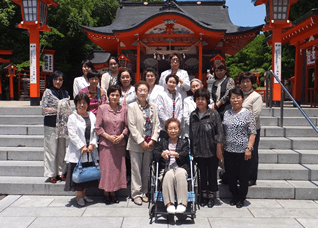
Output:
(107, 199)
(251, 182)
(233, 202)
(204, 202)
(113, 199)
(211, 203)
(240, 204)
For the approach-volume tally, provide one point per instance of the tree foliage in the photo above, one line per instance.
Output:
(257, 56)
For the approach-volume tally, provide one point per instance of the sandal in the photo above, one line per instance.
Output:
(52, 179)
(107, 199)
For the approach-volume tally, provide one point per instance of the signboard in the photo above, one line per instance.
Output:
(278, 61)
(48, 63)
(33, 64)
(310, 57)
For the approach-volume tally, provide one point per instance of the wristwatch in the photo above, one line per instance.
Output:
(250, 148)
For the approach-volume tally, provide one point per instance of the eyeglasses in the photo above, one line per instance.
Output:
(143, 90)
(196, 86)
(236, 98)
(175, 60)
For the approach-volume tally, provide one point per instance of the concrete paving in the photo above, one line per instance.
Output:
(33, 211)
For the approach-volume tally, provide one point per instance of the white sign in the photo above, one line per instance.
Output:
(33, 64)
(310, 57)
(48, 63)
(278, 61)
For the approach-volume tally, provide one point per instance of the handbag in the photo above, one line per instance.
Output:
(84, 174)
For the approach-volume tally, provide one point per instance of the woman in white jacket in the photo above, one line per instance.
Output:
(83, 140)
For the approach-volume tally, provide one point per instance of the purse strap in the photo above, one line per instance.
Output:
(79, 163)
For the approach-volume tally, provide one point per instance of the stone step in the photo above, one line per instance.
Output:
(288, 121)
(21, 129)
(22, 140)
(28, 110)
(22, 153)
(22, 168)
(266, 171)
(21, 119)
(293, 143)
(289, 112)
(288, 156)
(265, 189)
(288, 131)
(288, 172)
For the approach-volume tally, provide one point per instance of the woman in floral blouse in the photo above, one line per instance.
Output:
(240, 131)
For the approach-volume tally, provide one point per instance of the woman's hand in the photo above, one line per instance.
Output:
(165, 154)
(214, 106)
(91, 148)
(111, 138)
(151, 144)
(144, 145)
(118, 139)
(248, 154)
(84, 149)
(219, 152)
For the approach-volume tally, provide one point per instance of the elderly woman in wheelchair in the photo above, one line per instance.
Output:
(174, 165)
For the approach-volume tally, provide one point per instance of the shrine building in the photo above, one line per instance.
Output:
(143, 34)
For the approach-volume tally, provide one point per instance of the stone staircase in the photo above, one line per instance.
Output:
(288, 156)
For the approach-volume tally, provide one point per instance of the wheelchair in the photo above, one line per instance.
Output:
(156, 205)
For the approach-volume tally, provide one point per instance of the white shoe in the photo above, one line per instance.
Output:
(80, 202)
(180, 209)
(88, 200)
(171, 209)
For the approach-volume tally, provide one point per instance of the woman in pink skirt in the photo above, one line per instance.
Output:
(111, 126)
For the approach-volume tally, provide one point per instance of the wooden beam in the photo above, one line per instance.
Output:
(306, 35)
(200, 60)
(309, 44)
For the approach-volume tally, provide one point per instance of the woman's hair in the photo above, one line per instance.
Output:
(202, 92)
(52, 76)
(132, 82)
(247, 75)
(114, 58)
(196, 80)
(172, 120)
(175, 54)
(236, 91)
(172, 76)
(81, 96)
(222, 67)
(87, 63)
(149, 69)
(112, 89)
(141, 83)
(93, 74)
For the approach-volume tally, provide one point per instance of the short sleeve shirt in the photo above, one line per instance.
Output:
(237, 129)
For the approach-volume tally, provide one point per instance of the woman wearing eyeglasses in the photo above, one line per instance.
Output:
(143, 124)
(184, 81)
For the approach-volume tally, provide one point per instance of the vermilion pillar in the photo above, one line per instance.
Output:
(298, 73)
(34, 67)
(200, 60)
(138, 62)
(277, 62)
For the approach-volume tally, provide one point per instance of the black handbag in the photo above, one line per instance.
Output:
(84, 174)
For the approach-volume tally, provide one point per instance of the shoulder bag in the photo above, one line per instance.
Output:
(84, 174)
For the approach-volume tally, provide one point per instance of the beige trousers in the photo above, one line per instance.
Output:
(139, 172)
(175, 180)
(54, 153)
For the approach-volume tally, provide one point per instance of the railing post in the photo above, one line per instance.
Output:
(267, 95)
(281, 107)
(271, 91)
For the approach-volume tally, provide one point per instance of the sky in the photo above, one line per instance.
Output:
(244, 13)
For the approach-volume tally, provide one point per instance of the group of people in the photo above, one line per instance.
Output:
(151, 121)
